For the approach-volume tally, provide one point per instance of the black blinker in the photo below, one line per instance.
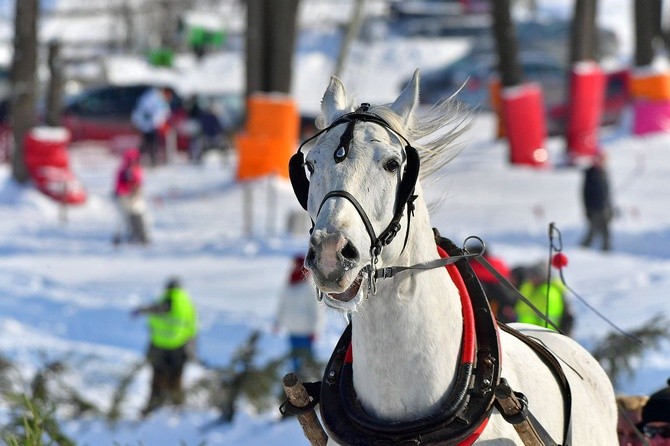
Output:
(298, 178)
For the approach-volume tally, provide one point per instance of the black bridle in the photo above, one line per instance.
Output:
(404, 197)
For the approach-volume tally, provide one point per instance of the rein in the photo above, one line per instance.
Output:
(390, 271)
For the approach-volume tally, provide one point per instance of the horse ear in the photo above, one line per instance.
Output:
(408, 100)
(333, 104)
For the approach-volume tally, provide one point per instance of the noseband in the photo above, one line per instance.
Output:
(404, 197)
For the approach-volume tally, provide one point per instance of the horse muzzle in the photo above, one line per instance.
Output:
(334, 262)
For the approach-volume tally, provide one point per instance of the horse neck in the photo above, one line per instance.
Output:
(406, 339)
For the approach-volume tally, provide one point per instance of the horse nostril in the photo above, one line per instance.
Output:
(311, 257)
(350, 252)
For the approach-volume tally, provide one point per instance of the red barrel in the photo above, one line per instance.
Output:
(523, 113)
(46, 157)
(585, 109)
(46, 146)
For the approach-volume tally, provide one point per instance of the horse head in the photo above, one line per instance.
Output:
(362, 172)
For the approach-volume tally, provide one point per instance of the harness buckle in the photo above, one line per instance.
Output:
(372, 281)
(389, 235)
(372, 270)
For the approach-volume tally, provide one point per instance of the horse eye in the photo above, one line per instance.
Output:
(392, 165)
(310, 167)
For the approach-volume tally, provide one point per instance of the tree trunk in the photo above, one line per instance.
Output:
(583, 35)
(255, 46)
(167, 24)
(280, 24)
(352, 31)
(23, 80)
(505, 37)
(55, 92)
(271, 32)
(659, 40)
(645, 29)
(664, 33)
(125, 13)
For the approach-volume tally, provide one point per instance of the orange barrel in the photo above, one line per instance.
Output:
(270, 136)
(650, 85)
(272, 114)
(260, 155)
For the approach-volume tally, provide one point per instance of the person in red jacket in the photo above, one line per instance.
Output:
(130, 200)
(501, 301)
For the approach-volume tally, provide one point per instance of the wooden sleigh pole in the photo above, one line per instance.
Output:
(298, 397)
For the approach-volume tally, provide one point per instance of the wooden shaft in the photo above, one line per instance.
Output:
(297, 395)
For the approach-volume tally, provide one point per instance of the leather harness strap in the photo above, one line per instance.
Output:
(552, 364)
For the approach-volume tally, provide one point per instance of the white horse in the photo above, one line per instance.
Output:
(407, 338)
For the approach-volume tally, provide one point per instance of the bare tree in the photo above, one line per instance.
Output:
(583, 35)
(55, 91)
(23, 80)
(646, 28)
(352, 32)
(271, 32)
(125, 13)
(167, 23)
(506, 41)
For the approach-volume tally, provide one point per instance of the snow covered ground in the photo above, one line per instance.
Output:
(67, 292)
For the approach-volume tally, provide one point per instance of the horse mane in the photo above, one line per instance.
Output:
(435, 133)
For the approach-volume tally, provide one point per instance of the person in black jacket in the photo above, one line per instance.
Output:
(597, 204)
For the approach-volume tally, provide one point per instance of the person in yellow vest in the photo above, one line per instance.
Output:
(539, 293)
(173, 326)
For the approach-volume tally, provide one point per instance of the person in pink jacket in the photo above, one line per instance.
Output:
(130, 200)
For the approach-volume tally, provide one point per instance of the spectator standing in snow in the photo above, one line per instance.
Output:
(655, 422)
(548, 298)
(501, 301)
(173, 326)
(597, 204)
(151, 117)
(130, 200)
(299, 315)
(630, 414)
(209, 132)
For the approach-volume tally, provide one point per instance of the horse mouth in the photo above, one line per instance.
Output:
(350, 292)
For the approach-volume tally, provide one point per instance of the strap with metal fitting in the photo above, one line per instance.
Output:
(513, 406)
